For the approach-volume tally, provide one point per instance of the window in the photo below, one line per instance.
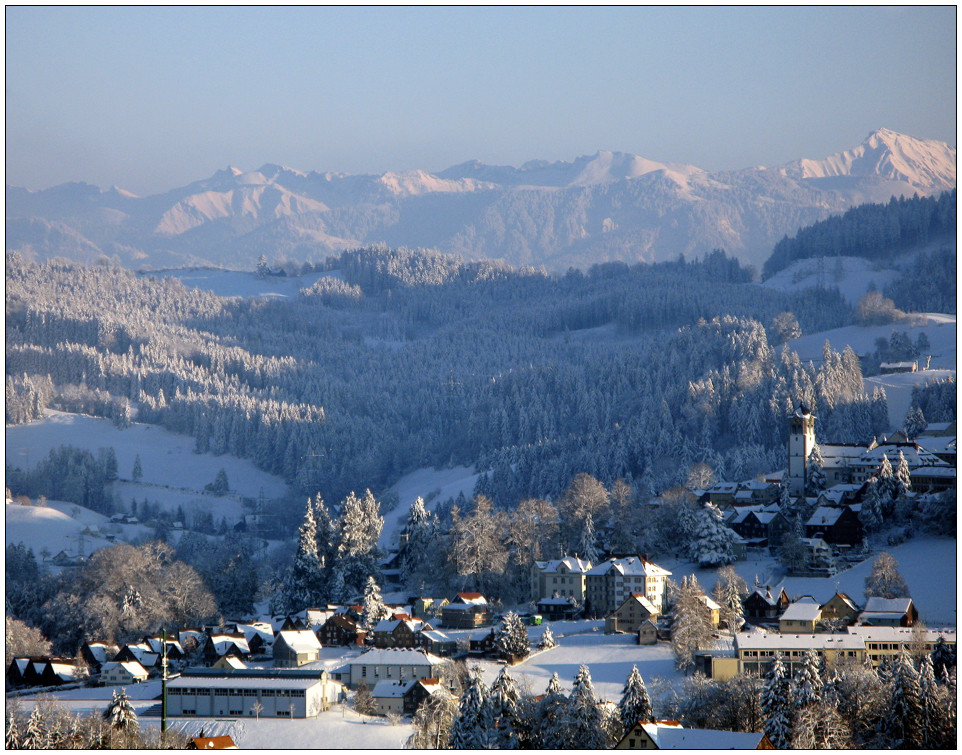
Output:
(283, 714)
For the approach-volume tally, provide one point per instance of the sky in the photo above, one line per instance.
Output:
(152, 98)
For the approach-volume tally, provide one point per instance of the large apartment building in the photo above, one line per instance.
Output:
(610, 583)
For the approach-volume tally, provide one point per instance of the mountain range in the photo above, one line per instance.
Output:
(602, 207)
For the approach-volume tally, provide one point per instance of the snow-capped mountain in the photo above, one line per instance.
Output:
(606, 206)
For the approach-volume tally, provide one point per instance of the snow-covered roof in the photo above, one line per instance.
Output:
(643, 601)
(98, 650)
(571, 563)
(260, 629)
(222, 643)
(436, 636)
(899, 634)
(395, 657)
(802, 612)
(711, 604)
(824, 516)
(131, 667)
(888, 605)
(242, 682)
(914, 456)
(678, 738)
(299, 640)
(233, 661)
(724, 488)
(469, 598)
(773, 641)
(388, 688)
(632, 565)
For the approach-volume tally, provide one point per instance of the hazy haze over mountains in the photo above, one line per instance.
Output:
(606, 206)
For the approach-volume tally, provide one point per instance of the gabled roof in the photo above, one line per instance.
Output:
(388, 688)
(888, 605)
(131, 667)
(802, 612)
(845, 599)
(470, 598)
(642, 601)
(298, 640)
(824, 516)
(436, 636)
(396, 657)
(213, 743)
(632, 565)
(570, 563)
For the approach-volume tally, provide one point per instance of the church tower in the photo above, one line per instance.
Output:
(801, 440)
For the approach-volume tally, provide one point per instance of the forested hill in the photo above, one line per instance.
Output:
(400, 360)
(876, 231)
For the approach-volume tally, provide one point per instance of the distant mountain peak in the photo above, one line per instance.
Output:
(885, 154)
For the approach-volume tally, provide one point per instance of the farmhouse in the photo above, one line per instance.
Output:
(295, 647)
(466, 611)
(122, 672)
(889, 612)
(630, 615)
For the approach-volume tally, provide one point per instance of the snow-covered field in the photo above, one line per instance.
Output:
(436, 484)
(173, 475)
(243, 284)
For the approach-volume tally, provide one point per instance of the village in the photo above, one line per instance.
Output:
(384, 659)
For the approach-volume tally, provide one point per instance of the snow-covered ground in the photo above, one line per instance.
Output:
(173, 475)
(243, 284)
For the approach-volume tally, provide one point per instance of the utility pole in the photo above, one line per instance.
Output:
(163, 685)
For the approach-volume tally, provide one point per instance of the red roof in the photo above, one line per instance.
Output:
(470, 595)
(214, 743)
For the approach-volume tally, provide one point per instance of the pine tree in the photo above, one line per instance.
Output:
(886, 478)
(776, 705)
(138, 470)
(547, 639)
(635, 704)
(712, 543)
(548, 728)
(807, 684)
(691, 627)
(914, 422)
(304, 583)
(470, 728)
(587, 546)
(505, 721)
(512, 638)
(901, 726)
(120, 713)
(943, 657)
(35, 737)
(12, 739)
(933, 716)
(814, 474)
(902, 479)
(870, 514)
(730, 590)
(374, 610)
(324, 533)
(583, 716)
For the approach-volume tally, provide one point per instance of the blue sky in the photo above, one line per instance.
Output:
(153, 98)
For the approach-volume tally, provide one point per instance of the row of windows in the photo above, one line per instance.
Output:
(206, 691)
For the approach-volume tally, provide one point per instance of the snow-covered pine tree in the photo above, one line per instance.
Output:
(814, 474)
(120, 713)
(416, 540)
(902, 477)
(776, 705)
(358, 527)
(635, 704)
(512, 638)
(819, 726)
(36, 736)
(503, 701)
(305, 579)
(901, 726)
(807, 684)
(730, 590)
(587, 546)
(914, 422)
(374, 610)
(886, 478)
(12, 738)
(470, 729)
(870, 514)
(547, 639)
(691, 627)
(583, 716)
(547, 730)
(932, 716)
(713, 543)
(324, 532)
(943, 657)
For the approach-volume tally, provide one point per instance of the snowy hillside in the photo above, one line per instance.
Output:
(434, 486)
(173, 475)
(228, 283)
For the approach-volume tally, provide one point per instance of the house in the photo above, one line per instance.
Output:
(630, 615)
(437, 643)
(212, 743)
(761, 604)
(96, 654)
(123, 672)
(608, 584)
(219, 645)
(466, 611)
(714, 610)
(398, 633)
(277, 697)
(800, 617)
(648, 633)
(840, 608)
(843, 494)
(671, 735)
(25, 672)
(230, 663)
(393, 664)
(564, 577)
(819, 561)
(403, 697)
(888, 612)
(838, 526)
(558, 608)
(341, 630)
(481, 642)
(295, 647)
(722, 494)
(140, 652)
(891, 368)
(175, 651)
(259, 636)
(760, 524)
(428, 608)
